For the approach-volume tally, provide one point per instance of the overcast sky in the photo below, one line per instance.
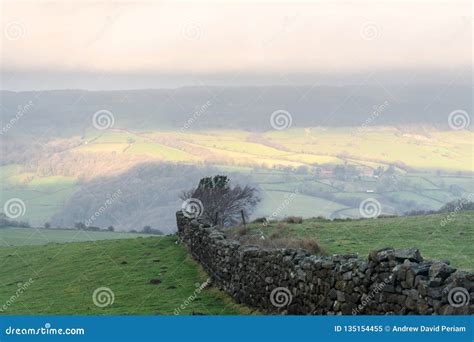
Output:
(139, 44)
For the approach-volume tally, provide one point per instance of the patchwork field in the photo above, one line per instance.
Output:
(145, 276)
(430, 168)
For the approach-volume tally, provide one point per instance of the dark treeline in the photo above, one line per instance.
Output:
(235, 107)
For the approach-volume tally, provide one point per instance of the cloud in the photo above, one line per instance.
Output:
(210, 37)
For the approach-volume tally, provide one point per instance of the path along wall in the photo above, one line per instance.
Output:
(291, 281)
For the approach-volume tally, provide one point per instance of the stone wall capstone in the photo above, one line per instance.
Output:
(287, 281)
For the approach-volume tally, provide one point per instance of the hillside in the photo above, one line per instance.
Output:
(65, 276)
(237, 107)
(452, 241)
(12, 236)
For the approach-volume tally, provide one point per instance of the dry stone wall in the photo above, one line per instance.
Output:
(288, 281)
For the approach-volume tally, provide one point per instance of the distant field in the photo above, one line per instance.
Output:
(64, 277)
(273, 203)
(42, 196)
(31, 236)
(450, 150)
(452, 242)
(271, 160)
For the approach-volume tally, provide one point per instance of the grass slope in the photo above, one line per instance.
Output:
(66, 275)
(452, 242)
(32, 236)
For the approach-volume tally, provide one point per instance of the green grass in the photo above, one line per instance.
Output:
(64, 277)
(287, 203)
(453, 241)
(31, 236)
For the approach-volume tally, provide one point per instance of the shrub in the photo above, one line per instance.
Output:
(242, 231)
(309, 244)
(277, 239)
(278, 232)
(222, 204)
(294, 219)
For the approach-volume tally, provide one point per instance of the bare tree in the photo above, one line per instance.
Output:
(222, 204)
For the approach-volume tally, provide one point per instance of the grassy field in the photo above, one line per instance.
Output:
(65, 276)
(452, 242)
(450, 150)
(31, 236)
